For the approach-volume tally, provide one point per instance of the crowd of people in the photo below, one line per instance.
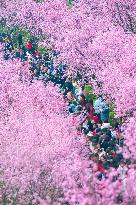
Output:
(103, 140)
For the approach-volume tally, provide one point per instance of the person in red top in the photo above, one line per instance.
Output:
(66, 100)
(94, 132)
(90, 109)
(100, 167)
(95, 118)
(36, 53)
(29, 46)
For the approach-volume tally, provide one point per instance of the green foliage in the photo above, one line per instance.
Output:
(42, 50)
(70, 3)
(25, 33)
(14, 31)
(112, 119)
(39, 1)
(5, 201)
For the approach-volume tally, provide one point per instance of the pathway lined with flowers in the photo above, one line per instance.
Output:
(103, 140)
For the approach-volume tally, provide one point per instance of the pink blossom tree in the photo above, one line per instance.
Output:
(94, 37)
(37, 141)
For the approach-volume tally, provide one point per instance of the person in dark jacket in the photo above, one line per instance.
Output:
(20, 40)
(23, 53)
(104, 112)
(68, 86)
